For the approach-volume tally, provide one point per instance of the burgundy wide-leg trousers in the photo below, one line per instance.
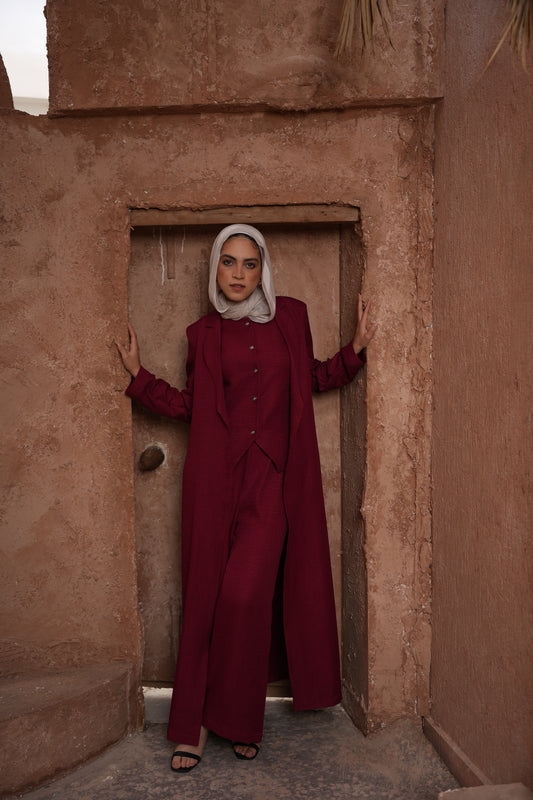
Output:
(240, 644)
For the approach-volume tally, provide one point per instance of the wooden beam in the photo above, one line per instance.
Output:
(252, 215)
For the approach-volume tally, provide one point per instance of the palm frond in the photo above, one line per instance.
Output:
(519, 28)
(368, 12)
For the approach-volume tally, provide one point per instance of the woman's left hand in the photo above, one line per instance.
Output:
(364, 332)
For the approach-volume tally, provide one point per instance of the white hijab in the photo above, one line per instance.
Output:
(261, 305)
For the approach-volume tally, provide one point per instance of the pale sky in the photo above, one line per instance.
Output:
(23, 47)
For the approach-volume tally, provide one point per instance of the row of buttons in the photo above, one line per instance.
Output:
(252, 347)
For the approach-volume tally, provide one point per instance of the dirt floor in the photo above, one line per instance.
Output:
(317, 754)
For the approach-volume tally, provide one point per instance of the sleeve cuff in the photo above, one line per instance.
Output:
(139, 383)
(353, 361)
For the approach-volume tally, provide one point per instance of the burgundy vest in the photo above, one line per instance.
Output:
(256, 374)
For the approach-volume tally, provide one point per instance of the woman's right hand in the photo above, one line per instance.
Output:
(130, 355)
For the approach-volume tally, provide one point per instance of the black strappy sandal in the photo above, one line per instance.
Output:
(184, 754)
(242, 757)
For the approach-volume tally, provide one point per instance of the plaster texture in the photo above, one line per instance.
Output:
(6, 97)
(358, 134)
(509, 791)
(353, 459)
(70, 574)
(306, 756)
(226, 53)
(482, 681)
(277, 122)
(49, 723)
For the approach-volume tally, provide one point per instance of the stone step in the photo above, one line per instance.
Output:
(508, 791)
(50, 723)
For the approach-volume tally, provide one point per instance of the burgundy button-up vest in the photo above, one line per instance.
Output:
(256, 373)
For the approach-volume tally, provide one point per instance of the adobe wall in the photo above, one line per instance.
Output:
(232, 54)
(68, 433)
(6, 98)
(69, 585)
(482, 681)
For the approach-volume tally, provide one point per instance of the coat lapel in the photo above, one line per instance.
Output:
(212, 352)
(292, 336)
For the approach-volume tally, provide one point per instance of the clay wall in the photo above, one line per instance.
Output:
(70, 509)
(6, 98)
(482, 681)
(237, 131)
(172, 57)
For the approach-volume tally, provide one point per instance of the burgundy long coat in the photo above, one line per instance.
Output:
(308, 601)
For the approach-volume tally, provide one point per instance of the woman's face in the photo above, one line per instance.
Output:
(239, 268)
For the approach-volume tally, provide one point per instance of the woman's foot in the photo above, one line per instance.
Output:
(246, 752)
(183, 762)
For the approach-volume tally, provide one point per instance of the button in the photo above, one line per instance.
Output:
(252, 433)
(246, 323)
(256, 370)
(252, 347)
(254, 398)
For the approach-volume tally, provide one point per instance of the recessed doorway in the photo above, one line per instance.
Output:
(316, 256)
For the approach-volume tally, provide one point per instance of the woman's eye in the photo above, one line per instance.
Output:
(251, 265)
(227, 262)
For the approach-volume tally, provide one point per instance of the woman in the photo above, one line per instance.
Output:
(257, 591)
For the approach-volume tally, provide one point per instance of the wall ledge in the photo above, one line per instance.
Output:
(455, 759)
(50, 723)
(506, 791)
(59, 111)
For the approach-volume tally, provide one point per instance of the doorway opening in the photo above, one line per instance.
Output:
(317, 256)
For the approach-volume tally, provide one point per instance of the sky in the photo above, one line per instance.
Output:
(23, 47)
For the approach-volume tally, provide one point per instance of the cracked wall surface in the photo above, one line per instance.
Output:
(252, 116)
(482, 681)
(270, 55)
(66, 211)
(217, 108)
